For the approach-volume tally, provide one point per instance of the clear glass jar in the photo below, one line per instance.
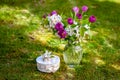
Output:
(72, 55)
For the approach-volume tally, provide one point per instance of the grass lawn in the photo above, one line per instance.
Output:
(23, 39)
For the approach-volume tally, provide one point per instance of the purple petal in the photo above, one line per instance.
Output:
(75, 9)
(62, 34)
(84, 8)
(79, 16)
(59, 26)
(53, 12)
(92, 19)
(70, 21)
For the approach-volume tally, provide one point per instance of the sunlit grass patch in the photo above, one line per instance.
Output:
(46, 38)
(16, 16)
(116, 66)
(116, 1)
(99, 61)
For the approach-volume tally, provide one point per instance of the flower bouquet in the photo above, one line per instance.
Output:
(74, 30)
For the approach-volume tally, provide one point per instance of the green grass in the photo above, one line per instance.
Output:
(23, 39)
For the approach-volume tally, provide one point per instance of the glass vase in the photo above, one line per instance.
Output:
(72, 55)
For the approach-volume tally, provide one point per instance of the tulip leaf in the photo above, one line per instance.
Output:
(72, 15)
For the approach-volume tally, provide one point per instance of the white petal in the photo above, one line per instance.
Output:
(75, 22)
(86, 26)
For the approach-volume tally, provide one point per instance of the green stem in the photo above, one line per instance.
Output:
(75, 16)
(89, 31)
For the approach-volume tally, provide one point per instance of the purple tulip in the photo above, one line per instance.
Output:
(62, 34)
(70, 21)
(84, 8)
(75, 9)
(53, 12)
(59, 26)
(79, 16)
(92, 19)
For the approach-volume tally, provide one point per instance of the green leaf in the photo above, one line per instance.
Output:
(72, 15)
